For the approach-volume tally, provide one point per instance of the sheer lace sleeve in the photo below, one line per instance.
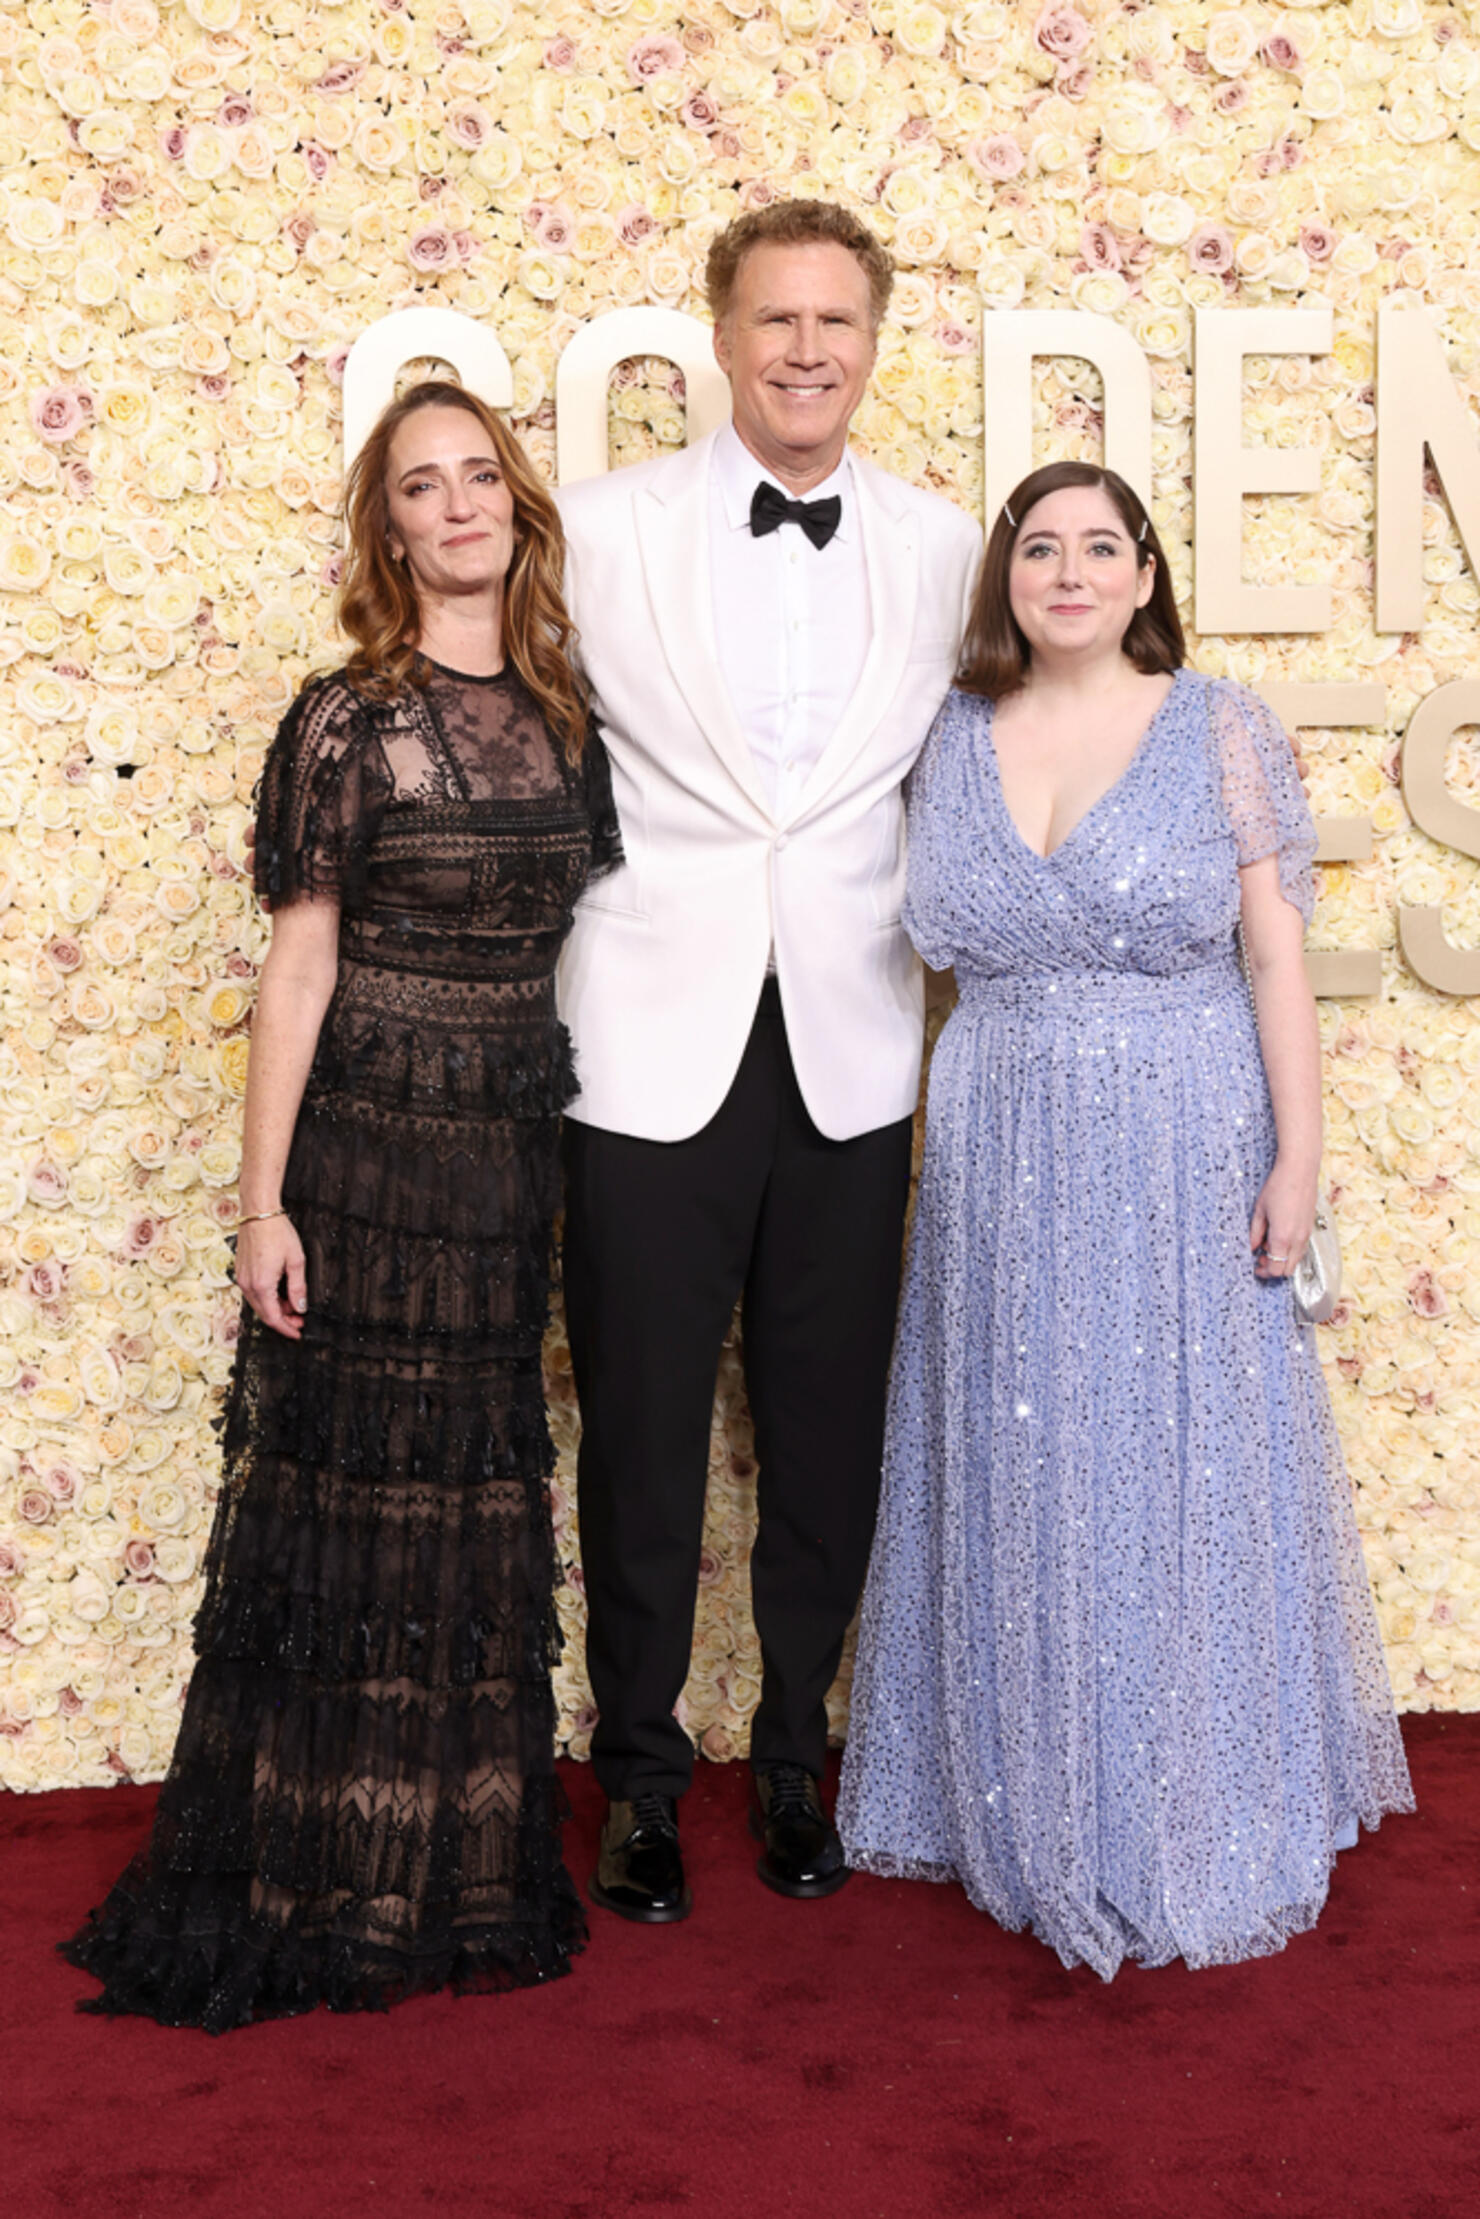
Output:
(1262, 792)
(323, 789)
(606, 831)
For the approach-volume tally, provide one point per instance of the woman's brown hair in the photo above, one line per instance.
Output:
(994, 653)
(378, 607)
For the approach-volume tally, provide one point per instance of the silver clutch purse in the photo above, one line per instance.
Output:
(1315, 1283)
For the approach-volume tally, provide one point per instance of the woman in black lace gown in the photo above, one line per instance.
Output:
(362, 1802)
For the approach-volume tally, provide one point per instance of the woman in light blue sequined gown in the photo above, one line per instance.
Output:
(1118, 1670)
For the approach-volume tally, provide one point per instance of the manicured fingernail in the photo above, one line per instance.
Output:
(300, 1302)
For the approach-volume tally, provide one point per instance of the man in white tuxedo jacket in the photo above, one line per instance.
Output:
(768, 624)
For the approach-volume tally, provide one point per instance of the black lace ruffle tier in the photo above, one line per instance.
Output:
(362, 1803)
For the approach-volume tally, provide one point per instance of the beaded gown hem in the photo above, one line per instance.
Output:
(1118, 1670)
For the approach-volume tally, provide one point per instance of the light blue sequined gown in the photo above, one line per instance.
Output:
(1118, 1670)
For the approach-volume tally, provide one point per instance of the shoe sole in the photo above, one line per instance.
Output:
(802, 1891)
(668, 1917)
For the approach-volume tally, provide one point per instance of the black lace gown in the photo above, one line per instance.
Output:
(362, 1802)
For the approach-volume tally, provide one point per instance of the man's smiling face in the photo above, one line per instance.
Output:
(797, 344)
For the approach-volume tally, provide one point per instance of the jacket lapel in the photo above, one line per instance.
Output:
(671, 516)
(891, 557)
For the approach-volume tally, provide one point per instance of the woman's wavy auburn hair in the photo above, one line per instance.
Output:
(995, 655)
(378, 607)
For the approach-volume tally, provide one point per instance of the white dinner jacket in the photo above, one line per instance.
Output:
(664, 965)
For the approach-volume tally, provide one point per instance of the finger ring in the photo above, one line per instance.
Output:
(1270, 1259)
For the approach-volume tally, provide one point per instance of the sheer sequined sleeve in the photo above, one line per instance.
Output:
(933, 803)
(323, 790)
(606, 830)
(1262, 792)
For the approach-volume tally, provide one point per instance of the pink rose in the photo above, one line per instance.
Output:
(141, 1235)
(1100, 247)
(316, 159)
(299, 229)
(999, 158)
(560, 53)
(1073, 79)
(1280, 51)
(1230, 97)
(47, 1181)
(955, 339)
(430, 248)
(138, 1558)
(1211, 248)
(69, 1702)
(555, 229)
(80, 481)
(1062, 32)
(1318, 241)
(469, 126)
(334, 362)
(62, 1481)
(172, 142)
(213, 387)
(1426, 1296)
(340, 77)
(36, 1506)
(43, 1282)
(653, 56)
(634, 224)
(63, 953)
(58, 414)
(700, 112)
(234, 111)
(10, 1560)
(7, 1613)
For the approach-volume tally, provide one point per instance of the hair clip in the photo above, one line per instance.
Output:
(1007, 512)
(1141, 534)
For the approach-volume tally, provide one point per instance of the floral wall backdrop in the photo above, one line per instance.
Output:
(203, 203)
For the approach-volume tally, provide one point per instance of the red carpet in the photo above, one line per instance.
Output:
(887, 2054)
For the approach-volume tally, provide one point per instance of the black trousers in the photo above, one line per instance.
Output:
(660, 1239)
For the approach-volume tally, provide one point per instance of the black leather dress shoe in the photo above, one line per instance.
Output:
(803, 1856)
(639, 1873)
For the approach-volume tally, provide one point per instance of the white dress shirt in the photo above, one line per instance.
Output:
(791, 620)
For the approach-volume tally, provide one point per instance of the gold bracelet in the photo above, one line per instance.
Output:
(257, 1217)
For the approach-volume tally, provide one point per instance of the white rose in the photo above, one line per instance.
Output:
(1231, 42)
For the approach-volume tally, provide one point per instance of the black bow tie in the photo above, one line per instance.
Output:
(770, 509)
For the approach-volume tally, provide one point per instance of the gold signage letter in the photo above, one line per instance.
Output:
(1337, 974)
(1418, 406)
(584, 373)
(1435, 810)
(1224, 470)
(1012, 340)
(414, 335)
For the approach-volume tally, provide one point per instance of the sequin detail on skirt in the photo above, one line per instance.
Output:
(1118, 1670)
